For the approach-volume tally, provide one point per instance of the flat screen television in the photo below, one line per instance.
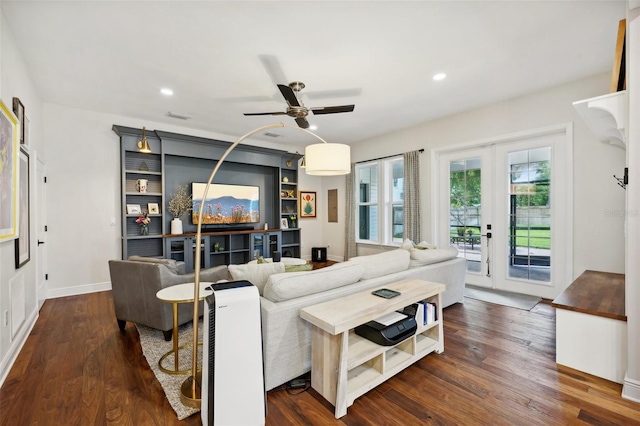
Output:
(226, 204)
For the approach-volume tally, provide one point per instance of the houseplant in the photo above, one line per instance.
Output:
(179, 204)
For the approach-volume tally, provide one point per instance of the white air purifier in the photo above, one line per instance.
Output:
(233, 390)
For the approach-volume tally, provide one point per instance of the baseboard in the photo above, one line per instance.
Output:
(77, 290)
(631, 389)
(336, 258)
(16, 346)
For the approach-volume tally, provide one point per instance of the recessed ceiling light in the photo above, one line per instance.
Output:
(313, 127)
(167, 92)
(439, 76)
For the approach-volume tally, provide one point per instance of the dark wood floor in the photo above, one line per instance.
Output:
(498, 368)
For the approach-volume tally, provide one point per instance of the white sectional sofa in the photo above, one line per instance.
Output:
(287, 337)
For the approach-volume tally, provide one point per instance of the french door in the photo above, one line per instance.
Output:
(506, 207)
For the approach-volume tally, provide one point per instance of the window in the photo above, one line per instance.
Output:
(380, 199)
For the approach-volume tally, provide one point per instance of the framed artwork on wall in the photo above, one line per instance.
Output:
(8, 174)
(307, 204)
(22, 243)
(18, 110)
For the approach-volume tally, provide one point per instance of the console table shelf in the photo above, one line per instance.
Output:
(345, 365)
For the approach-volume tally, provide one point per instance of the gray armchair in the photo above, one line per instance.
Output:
(136, 281)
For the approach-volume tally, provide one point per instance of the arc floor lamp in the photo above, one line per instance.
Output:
(321, 159)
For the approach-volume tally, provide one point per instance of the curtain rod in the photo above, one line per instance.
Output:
(388, 156)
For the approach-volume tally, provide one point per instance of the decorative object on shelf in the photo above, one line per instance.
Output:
(216, 246)
(144, 167)
(190, 391)
(8, 175)
(292, 221)
(153, 208)
(143, 220)
(134, 209)
(141, 185)
(283, 223)
(307, 204)
(179, 205)
(143, 144)
(285, 179)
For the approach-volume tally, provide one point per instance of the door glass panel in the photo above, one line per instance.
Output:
(530, 215)
(465, 180)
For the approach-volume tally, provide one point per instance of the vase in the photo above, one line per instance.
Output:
(293, 224)
(176, 226)
(144, 229)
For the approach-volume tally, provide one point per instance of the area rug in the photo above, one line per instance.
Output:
(154, 346)
(513, 300)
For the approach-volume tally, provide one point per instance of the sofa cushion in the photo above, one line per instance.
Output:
(169, 263)
(291, 285)
(257, 274)
(427, 257)
(385, 263)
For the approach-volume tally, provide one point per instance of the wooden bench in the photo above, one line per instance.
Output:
(591, 326)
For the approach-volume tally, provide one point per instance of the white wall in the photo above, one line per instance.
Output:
(598, 234)
(83, 162)
(15, 82)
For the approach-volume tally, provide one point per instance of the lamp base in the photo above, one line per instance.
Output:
(186, 391)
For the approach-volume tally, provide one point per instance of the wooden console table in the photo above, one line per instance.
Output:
(344, 365)
(591, 326)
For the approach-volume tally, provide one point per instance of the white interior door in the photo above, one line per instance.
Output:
(507, 208)
(41, 215)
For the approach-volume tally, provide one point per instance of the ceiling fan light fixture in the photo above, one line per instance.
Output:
(143, 144)
(327, 159)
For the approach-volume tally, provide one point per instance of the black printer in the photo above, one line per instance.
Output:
(389, 329)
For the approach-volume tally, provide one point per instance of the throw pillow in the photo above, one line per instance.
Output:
(407, 244)
(256, 274)
(298, 268)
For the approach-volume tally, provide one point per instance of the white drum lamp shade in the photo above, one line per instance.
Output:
(328, 159)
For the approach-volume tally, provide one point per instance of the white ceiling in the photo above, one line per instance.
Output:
(224, 58)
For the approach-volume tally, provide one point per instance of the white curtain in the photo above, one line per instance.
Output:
(350, 249)
(411, 222)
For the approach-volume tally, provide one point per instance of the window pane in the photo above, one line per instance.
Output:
(368, 184)
(368, 223)
(397, 184)
(396, 227)
(530, 216)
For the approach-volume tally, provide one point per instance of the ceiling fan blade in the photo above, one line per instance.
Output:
(333, 109)
(302, 122)
(289, 95)
(265, 113)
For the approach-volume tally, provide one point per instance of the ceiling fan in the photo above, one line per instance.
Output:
(297, 110)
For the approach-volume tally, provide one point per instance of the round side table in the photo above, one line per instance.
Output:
(180, 293)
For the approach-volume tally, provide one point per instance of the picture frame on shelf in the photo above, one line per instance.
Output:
(307, 204)
(153, 208)
(134, 209)
(22, 243)
(284, 223)
(8, 176)
(18, 110)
